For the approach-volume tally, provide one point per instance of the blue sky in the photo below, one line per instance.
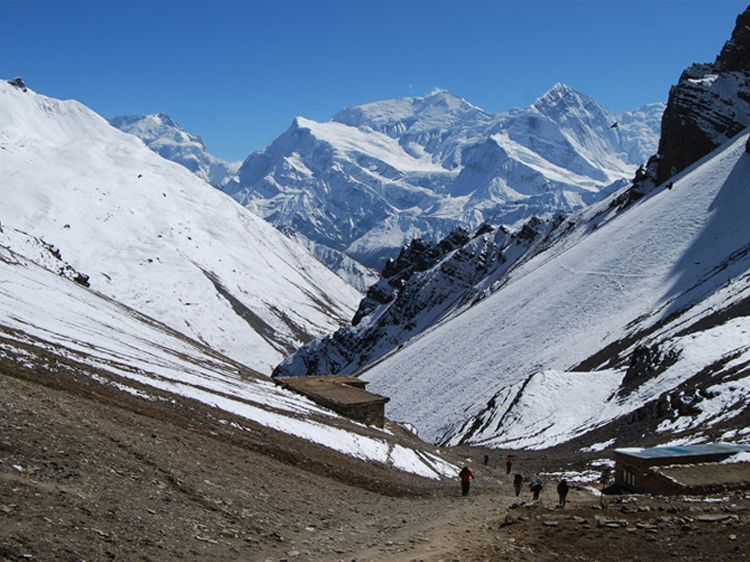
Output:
(238, 72)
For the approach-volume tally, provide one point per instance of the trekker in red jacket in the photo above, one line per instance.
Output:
(466, 476)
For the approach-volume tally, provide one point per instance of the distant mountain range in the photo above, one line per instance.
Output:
(381, 174)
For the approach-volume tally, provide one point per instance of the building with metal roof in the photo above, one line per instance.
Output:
(681, 469)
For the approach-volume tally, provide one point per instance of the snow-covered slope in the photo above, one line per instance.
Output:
(670, 276)
(383, 173)
(623, 321)
(165, 137)
(50, 324)
(152, 235)
(351, 271)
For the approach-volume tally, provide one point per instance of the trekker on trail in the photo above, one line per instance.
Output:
(562, 491)
(536, 487)
(466, 476)
(508, 465)
(486, 460)
(517, 483)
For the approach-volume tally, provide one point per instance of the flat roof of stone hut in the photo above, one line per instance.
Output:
(715, 475)
(334, 388)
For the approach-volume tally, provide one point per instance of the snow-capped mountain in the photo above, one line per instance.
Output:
(151, 235)
(616, 323)
(381, 174)
(165, 137)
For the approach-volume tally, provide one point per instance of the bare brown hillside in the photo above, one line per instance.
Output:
(88, 473)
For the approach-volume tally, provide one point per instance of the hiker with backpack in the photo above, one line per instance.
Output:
(536, 487)
(466, 475)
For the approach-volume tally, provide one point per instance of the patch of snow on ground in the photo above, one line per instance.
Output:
(598, 446)
(738, 457)
(586, 476)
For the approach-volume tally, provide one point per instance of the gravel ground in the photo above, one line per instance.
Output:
(90, 473)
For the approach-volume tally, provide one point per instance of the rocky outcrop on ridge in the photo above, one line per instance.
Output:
(426, 283)
(709, 105)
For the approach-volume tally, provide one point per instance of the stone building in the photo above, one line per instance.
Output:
(344, 395)
(682, 469)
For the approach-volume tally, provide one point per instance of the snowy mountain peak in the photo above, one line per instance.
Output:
(153, 125)
(562, 98)
(167, 120)
(560, 89)
(381, 173)
(300, 122)
(166, 137)
(439, 108)
(441, 96)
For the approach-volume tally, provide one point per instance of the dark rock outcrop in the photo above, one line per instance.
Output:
(18, 83)
(422, 286)
(417, 256)
(645, 363)
(709, 105)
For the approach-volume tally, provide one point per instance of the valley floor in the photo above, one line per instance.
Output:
(87, 473)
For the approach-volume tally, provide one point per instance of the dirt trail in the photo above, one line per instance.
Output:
(450, 529)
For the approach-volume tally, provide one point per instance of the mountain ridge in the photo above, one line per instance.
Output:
(166, 137)
(382, 173)
(639, 307)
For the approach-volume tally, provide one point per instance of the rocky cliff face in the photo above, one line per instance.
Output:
(425, 284)
(709, 105)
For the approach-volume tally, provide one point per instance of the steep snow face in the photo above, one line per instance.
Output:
(672, 273)
(44, 317)
(351, 271)
(594, 132)
(165, 137)
(437, 124)
(383, 173)
(153, 236)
